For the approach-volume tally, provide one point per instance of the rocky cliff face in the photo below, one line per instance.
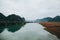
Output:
(52, 27)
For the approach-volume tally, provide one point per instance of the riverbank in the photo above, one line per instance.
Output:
(52, 27)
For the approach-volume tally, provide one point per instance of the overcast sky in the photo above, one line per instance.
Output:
(31, 9)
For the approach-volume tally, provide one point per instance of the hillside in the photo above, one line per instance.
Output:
(49, 19)
(11, 22)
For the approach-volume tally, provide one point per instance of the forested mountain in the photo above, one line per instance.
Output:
(12, 22)
(49, 19)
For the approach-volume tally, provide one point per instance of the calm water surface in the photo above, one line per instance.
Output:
(31, 31)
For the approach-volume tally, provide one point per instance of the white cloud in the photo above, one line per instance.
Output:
(31, 9)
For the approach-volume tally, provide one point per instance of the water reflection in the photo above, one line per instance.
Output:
(31, 31)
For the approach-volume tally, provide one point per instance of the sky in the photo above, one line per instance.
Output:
(30, 9)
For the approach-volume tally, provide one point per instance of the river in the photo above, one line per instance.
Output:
(31, 31)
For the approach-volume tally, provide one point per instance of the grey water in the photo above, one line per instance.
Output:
(31, 31)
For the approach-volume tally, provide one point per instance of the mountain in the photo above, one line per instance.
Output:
(14, 18)
(2, 17)
(2, 22)
(55, 19)
(44, 19)
(12, 22)
(49, 19)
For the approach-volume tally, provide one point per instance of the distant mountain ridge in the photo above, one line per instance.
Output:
(49, 19)
(55, 19)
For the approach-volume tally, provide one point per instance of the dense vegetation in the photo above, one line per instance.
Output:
(12, 22)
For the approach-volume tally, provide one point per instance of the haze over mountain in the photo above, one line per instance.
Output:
(49, 19)
(55, 19)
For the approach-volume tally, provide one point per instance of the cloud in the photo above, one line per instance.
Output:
(31, 9)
